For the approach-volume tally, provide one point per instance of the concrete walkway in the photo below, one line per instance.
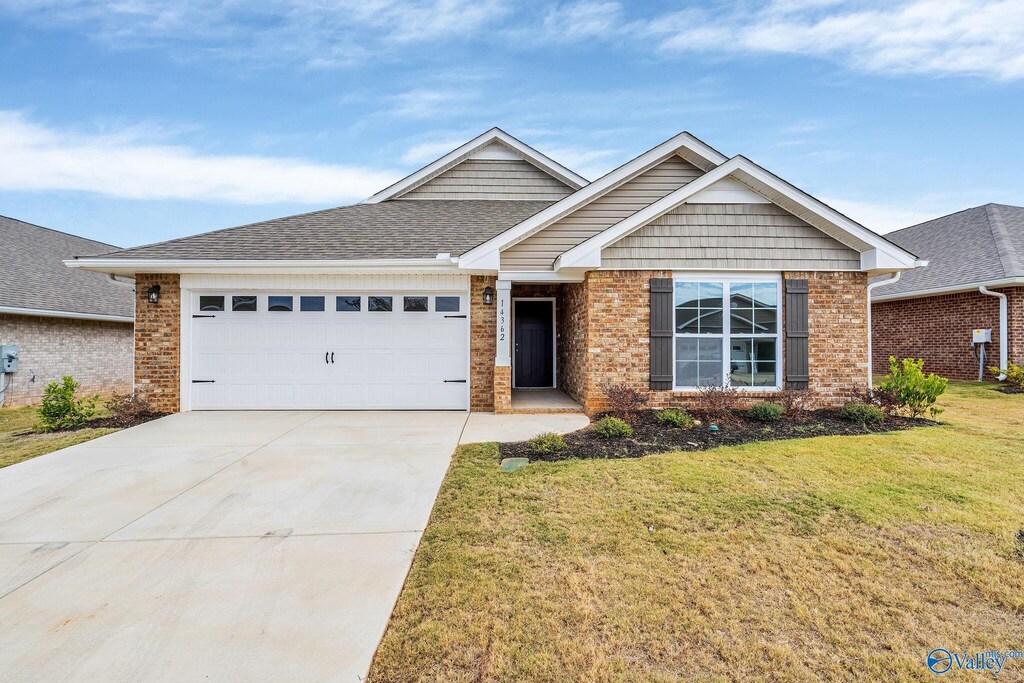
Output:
(516, 427)
(216, 546)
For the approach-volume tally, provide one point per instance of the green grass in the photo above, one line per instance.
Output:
(16, 445)
(833, 558)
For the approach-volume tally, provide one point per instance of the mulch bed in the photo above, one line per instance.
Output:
(650, 436)
(1010, 389)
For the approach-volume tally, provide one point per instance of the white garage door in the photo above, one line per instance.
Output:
(329, 350)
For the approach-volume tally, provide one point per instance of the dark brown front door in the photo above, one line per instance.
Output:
(534, 337)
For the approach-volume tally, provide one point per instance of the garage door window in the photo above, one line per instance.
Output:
(211, 303)
(243, 303)
(446, 304)
(279, 303)
(378, 303)
(348, 303)
(311, 303)
(415, 304)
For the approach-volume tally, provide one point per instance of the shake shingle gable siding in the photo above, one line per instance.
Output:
(388, 230)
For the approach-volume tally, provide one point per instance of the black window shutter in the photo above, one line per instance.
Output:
(796, 334)
(661, 333)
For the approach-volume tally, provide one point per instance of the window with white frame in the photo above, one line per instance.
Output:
(740, 349)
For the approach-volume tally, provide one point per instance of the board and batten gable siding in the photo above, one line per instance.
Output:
(492, 179)
(729, 236)
(539, 251)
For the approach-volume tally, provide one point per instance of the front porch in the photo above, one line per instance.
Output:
(543, 401)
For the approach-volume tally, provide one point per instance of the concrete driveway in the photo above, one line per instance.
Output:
(216, 546)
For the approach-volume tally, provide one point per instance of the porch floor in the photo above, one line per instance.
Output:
(543, 401)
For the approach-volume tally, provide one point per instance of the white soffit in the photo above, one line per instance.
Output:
(495, 152)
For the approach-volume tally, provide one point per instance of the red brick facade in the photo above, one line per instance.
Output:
(482, 344)
(157, 342)
(938, 329)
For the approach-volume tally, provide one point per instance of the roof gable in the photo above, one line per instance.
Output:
(493, 146)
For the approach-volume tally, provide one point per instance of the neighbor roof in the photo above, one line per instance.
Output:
(33, 277)
(387, 230)
(984, 244)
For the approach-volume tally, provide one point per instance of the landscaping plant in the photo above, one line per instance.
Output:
(127, 410)
(767, 412)
(547, 443)
(1014, 373)
(716, 402)
(676, 418)
(612, 428)
(62, 408)
(794, 402)
(864, 414)
(912, 390)
(625, 401)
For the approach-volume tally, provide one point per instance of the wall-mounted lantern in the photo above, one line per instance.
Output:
(153, 294)
(488, 296)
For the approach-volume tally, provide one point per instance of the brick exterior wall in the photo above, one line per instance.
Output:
(502, 388)
(482, 343)
(157, 341)
(97, 354)
(574, 304)
(938, 329)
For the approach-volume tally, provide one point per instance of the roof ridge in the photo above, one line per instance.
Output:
(1007, 255)
(937, 218)
(59, 232)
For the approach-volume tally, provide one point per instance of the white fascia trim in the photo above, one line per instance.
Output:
(952, 289)
(488, 252)
(542, 276)
(546, 163)
(130, 266)
(43, 313)
(587, 254)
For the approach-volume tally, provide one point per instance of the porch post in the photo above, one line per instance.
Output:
(503, 354)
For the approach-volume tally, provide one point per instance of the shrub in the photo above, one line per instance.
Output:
(624, 401)
(612, 428)
(794, 402)
(547, 443)
(127, 410)
(767, 412)
(911, 389)
(62, 408)
(864, 414)
(716, 401)
(676, 418)
(1014, 373)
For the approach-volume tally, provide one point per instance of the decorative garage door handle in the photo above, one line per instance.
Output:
(326, 354)
(203, 381)
(332, 357)
(455, 381)
(204, 316)
(455, 316)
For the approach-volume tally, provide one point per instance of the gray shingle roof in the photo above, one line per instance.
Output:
(393, 229)
(975, 245)
(33, 276)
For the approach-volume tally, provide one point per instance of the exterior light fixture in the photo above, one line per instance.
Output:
(153, 294)
(488, 296)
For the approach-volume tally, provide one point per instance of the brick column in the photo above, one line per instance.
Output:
(502, 388)
(481, 345)
(157, 341)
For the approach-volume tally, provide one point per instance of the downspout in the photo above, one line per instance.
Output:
(1004, 345)
(871, 365)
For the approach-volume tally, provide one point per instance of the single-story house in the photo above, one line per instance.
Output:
(58, 321)
(496, 271)
(974, 280)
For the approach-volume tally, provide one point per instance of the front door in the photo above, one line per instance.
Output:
(534, 338)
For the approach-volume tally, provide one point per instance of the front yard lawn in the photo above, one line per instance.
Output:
(17, 445)
(832, 558)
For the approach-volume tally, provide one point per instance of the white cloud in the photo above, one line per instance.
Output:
(883, 218)
(129, 164)
(426, 152)
(979, 37)
(583, 20)
(422, 103)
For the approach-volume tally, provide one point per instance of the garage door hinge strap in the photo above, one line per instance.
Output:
(203, 381)
(455, 316)
(455, 381)
(204, 316)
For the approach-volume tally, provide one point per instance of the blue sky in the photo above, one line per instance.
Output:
(138, 120)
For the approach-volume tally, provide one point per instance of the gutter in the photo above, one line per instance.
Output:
(440, 263)
(894, 277)
(43, 313)
(1004, 346)
(952, 289)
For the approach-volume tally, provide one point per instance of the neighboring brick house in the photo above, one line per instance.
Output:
(931, 312)
(62, 321)
(495, 275)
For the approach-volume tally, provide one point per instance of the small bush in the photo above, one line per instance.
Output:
(127, 410)
(62, 408)
(794, 402)
(767, 412)
(676, 418)
(865, 414)
(547, 443)
(1014, 373)
(911, 389)
(612, 428)
(716, 402)
(625, 401)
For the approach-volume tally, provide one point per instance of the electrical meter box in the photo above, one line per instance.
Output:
(982, 336)
(8, 358)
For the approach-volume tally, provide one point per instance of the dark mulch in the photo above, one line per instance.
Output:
(650, 436)
(114, 422)
(1010, 389)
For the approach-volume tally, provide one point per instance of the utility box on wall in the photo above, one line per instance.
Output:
(8, 358)
(982, 336)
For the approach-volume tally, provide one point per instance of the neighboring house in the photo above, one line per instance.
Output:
(495, 270)
(63, 322)
(975, 267)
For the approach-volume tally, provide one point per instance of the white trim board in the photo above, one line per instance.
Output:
(43, 313)
(482, 146)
